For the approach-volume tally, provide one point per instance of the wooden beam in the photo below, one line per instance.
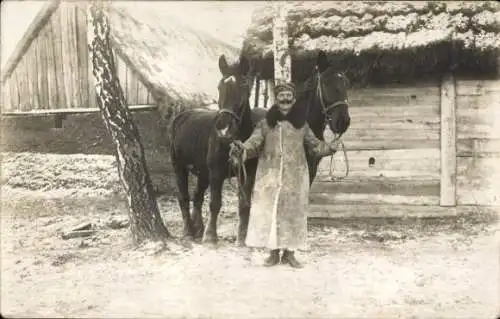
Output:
(132, 108)
(448, 142)
(282, 58)
(31, 33)
(325, 212)
(257, 91)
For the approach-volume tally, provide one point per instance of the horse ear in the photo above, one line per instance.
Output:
(223, 66)
(244, 65)
(322, 61)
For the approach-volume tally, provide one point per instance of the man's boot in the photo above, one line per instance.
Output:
(289, 258)
(273, 259)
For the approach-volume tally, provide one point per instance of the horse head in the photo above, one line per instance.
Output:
(234, 92)
(330, 93)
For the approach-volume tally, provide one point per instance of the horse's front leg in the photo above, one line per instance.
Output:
(245, 201)
(312, 164)
(197, 216)
(216, 182)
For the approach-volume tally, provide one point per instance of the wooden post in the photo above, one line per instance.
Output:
(282, 59)
(266, 93)
(270, 92)
(257, 90)
(448, 142)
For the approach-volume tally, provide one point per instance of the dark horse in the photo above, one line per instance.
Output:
(324, 97)
(199, 143)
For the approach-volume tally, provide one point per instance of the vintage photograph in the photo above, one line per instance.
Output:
(250, 159)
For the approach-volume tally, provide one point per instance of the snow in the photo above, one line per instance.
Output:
(423, 269)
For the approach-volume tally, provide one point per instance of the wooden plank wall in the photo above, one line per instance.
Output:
(398, 128)
(56, 72)
(478, 141)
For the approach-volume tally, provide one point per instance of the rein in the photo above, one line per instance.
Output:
(326, 110)
(241, 177)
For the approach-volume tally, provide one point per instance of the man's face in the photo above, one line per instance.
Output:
(285, 100)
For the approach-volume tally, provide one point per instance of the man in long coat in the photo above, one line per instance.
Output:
(278, 216)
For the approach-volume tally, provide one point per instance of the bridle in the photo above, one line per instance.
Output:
(234, 115)
(240, 169)
(327, 111)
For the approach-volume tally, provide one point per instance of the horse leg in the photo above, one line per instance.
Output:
(245, 202)
(181, 174)
(197, 217)
(210, 235)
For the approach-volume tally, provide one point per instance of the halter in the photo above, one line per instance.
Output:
(326, 112)
(233, 114)
(326, 108)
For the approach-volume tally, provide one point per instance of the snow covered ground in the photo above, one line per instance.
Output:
(362, 269)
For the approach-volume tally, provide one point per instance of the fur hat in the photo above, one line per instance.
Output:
(284, 86)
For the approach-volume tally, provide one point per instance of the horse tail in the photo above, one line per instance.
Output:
(171, 134)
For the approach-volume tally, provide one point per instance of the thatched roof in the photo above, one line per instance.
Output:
(178, 64)
(170, 57)
(383, 39)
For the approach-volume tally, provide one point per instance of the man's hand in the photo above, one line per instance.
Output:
(334, 144)
(237, 152)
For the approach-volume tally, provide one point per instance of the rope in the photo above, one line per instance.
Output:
(240, 170)
(346, 160)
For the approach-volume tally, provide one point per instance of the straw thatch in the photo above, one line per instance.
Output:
(377, 41)
(173, 60)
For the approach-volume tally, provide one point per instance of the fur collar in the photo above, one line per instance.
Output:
(297, 116)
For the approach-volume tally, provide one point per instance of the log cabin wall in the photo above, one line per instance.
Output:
(55, 72)
(415, 148)
(478, 141)
(393, 151)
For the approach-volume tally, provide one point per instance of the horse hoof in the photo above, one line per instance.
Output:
(209, 240)
(241, 243)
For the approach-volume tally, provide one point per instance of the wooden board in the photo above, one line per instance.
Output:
(478, 181)
(22, 79)
(353, 144)
(478, 87)
(53, 95)
(58, 58)
(73, 111)
(67, 70)
(359, 198)
(82, 55)
(391, 186)
(132, 87)
(377, 134)
(142, 94)
(420, 163)
(428, 112)
(42, 64)
(395, 97)
(478, 147)
(478, 116)
(14, 91)
(6, 100)
(318, 212)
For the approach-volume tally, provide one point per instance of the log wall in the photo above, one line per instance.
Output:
(55, 71)
(414, 149)
(478, 142)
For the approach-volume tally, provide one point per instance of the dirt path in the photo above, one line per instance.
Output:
(418, 269)
(381, 272)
